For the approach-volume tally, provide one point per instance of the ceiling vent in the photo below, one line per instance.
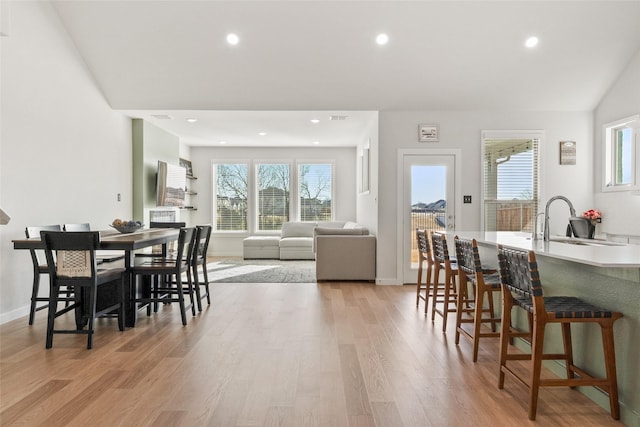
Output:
(337, 117)
(162, 116)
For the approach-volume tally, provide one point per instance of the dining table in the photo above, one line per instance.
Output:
(120, 242)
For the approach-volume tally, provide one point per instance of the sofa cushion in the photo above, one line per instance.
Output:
(297, 229)
(341, 231)
(296, 242)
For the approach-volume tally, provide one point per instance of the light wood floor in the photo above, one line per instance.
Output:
(329, 354)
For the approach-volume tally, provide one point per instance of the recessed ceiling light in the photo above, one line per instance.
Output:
(223, 142)
(314, 121)
(316, 142)
(233, 39)
(262, 133)
(382, 39)
(192, 120)
(531, 42)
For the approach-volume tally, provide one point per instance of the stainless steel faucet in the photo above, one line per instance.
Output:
(546, 213)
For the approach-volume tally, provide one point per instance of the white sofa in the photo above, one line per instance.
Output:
(299, 240)
(296, 240)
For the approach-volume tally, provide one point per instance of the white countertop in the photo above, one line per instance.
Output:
(584, 251)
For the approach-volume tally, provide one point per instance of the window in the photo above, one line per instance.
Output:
(511, 183)
(273, 195)
(620, 154)
(256, 196)
(231, 190)
(314, 192)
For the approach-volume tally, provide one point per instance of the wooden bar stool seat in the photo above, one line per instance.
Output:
(521, 287)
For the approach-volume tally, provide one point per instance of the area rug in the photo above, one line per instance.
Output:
(261, 271)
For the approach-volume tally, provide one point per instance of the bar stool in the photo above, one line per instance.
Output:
(521, 287)
(442, 261)
(424, 255)
(485, 282)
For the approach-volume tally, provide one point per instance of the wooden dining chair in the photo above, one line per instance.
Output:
(72, 264)
(39, 268)
(165, 284)
(442, 261)
(485, 282)
(521, 287)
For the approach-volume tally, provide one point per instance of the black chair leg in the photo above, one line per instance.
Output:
(92, 315)
(34, 296)
(196, 285)
(183, 310)
(51, 317)
(190, 288)
(206, 282)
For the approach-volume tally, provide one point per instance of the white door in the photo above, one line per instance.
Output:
(428, 203)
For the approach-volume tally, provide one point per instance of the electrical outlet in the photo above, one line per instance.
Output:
(466, 199)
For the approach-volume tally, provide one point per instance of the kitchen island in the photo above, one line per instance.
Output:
(601, 273)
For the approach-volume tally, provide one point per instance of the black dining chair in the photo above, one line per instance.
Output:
(40, 268)
(159, 250)
(165, 283)
(85, 226)
(71, 261)
(199, 258)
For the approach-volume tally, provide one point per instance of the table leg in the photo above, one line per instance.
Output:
(129, 291)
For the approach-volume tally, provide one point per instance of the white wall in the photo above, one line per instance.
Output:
(620, 210)
(64, 153)
(461, 130)
(367, 202)
(202, 158)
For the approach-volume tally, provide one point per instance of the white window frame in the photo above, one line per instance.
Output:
(252, 195)
(513, 134)
(609, 163)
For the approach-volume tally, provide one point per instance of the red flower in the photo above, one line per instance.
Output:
(592, 214)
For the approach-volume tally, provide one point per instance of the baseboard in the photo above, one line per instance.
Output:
(394, 282)
(14, 314)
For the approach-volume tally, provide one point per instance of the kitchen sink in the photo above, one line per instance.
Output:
(583, 242)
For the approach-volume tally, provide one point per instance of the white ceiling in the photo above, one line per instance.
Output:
(169, 56)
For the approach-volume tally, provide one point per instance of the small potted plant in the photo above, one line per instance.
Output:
(594, 216)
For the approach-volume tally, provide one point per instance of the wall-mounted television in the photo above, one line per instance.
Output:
(171, 182)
